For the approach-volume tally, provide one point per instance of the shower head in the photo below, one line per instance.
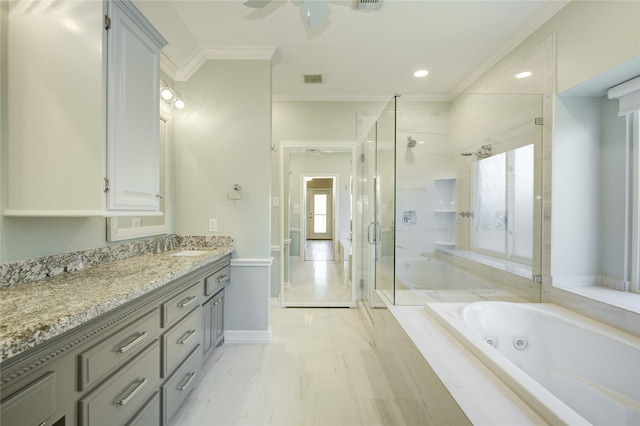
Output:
(411, 142)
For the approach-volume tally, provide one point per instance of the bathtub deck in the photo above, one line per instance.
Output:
(423, 296)
(484, 398)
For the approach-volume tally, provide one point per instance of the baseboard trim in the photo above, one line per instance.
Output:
(244, 337)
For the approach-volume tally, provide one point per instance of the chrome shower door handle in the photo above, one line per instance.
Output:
(372, 242)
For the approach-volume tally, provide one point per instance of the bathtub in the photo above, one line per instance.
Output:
(566, 367)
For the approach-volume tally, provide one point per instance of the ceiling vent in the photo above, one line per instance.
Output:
(314, 79)
(367, 4)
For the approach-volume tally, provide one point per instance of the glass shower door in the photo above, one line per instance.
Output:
(383, 196)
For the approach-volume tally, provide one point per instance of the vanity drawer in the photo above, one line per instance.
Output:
(94, 363)
(32, 404)
(149, 414)
(178, 342)
(181, 304)
(217, 281)
(121, 397)
(178, 386)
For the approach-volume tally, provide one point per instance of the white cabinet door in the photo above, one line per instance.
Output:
(55, 149)
(82, 106)
(132, 111)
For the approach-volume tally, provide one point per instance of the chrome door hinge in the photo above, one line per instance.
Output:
(361, 282)
(106, 185)
(362, 157)
(107, 22)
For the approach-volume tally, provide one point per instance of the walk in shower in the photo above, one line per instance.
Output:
(450, 200)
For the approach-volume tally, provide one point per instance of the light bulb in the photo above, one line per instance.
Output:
(179, 103)
(165, 91)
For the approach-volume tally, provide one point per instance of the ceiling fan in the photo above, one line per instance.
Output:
(314, 12)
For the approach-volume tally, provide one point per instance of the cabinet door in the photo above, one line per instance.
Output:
(207, 315)
(133, 67)
(218, 312)
(55, 142)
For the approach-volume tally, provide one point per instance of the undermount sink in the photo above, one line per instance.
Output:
(189, 253)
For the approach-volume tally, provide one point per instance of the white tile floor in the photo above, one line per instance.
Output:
(317, 282)
(320, 369)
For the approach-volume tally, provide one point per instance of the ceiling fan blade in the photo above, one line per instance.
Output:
(256, 4)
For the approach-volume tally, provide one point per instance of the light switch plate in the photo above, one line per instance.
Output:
(275, 202)
(213, 225)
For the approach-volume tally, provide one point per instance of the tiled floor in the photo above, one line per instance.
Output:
(319, 250)
(317, 282)
(320, 369)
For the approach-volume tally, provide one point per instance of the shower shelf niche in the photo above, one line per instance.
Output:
(444, 216)
(445, 245)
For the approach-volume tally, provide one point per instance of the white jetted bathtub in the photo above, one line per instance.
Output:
(568, 368)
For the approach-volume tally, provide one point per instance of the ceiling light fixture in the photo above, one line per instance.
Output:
(421, 73)
(524, 74)
(171, 96)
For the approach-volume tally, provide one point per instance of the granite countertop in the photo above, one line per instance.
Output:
(35, 312)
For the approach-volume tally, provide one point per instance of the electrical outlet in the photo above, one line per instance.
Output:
(213, 225)
(135, 222)
(275, 202)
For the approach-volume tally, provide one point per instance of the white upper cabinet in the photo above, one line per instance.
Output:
(83, 109)
(132, 110)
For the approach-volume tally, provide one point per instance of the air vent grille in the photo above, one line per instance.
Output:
(314, 79)
(367, 4)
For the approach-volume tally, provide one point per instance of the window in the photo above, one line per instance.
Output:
(628, 96)
(503, 205)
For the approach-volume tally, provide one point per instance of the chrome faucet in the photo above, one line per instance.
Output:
(167, 244)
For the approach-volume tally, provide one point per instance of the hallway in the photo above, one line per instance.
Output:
(317, 282)
(320, 369)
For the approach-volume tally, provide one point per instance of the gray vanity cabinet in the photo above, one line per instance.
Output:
(134, 365)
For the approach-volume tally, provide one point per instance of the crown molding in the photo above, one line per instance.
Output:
(200, 56)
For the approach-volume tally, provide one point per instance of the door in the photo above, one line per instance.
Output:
(378, 211)
(319, 214)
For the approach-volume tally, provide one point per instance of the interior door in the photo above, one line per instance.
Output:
(319, 214)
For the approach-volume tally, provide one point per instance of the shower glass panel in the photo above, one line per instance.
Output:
(384, 203)
(465, 192)
(450, 200)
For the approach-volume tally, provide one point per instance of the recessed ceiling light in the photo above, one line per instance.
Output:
(524, 74)
(421, 73)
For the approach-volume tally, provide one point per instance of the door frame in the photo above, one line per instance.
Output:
(283, 232)
(304, 207)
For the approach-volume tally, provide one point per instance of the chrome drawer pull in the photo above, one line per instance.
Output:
(187, 301)
(221, 278)
(187, 382)
(190, 333)
(134, 342)
(140, 384)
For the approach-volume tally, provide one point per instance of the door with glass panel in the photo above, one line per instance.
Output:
(378, 212)
(319, 214)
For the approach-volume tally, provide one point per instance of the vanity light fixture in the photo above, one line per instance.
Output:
(421, 73)
(524, 74)
(170, 95)
(179, 102)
